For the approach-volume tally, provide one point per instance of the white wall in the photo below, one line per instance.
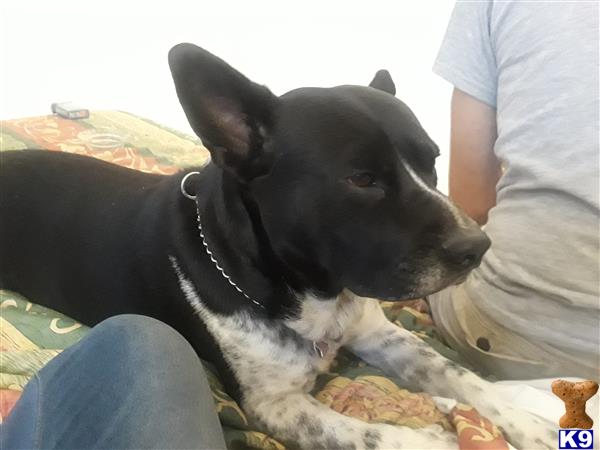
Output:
(110, 54)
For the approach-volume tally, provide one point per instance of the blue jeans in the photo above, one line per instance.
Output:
(132, 382)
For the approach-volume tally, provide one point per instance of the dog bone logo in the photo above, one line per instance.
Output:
(575, 395)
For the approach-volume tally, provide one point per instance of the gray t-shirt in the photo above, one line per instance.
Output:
(537, 64)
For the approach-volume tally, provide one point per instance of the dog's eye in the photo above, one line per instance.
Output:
(362, 179)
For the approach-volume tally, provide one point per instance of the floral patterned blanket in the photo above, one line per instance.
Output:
(31, 335)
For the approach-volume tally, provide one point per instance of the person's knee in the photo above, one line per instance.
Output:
(143, 335)
(152, 359)
(143, 354)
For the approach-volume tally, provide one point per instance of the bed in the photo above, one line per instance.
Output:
(31, 335)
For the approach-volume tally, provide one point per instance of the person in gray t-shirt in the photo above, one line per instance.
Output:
(524, 159)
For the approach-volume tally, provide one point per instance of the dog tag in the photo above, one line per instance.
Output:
(321, 348)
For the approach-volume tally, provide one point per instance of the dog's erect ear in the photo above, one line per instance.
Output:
(231, 114)
(383, 81)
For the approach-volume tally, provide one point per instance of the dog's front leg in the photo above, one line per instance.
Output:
(299, 418)
(402, 354)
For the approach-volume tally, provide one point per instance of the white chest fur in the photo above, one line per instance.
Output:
(270, 359)
(326, 319)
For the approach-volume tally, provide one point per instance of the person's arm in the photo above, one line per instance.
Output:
(474, 168)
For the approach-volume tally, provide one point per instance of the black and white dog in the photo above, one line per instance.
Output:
(313, 201)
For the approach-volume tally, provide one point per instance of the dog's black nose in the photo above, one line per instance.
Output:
(465, 247)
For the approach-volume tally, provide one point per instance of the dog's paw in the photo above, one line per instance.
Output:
(526, 431)
(433, 436)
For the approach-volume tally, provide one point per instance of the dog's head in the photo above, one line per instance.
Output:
(343, 179)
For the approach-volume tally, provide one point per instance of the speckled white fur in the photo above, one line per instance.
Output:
(276, 367)
(325, 319)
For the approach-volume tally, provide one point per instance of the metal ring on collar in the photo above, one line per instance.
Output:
(183, 191)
